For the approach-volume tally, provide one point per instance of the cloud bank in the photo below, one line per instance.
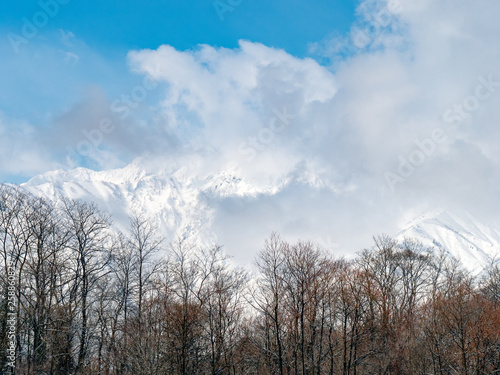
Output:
(402, 119)
(402, 123)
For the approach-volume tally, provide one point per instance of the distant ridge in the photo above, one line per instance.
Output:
(181, 202)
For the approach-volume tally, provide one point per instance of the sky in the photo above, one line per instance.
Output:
(369, 112)
(57, 55)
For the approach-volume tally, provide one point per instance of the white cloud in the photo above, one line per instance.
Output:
(352, 122)
(227, 102)
(20, 152)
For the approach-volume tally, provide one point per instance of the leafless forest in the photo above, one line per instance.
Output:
(89, 301)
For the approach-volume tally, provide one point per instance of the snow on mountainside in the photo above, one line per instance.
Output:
(183, 204)
(469, 240)
(179, 201)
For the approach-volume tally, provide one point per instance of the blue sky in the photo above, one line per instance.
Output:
(83, 45)
(114, 26)
(390, 106)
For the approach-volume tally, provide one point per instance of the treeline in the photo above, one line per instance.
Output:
(90, 301)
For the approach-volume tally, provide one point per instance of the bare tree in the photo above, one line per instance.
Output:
(145, 243)
(89, 235)
(269, 299)
(220, 293)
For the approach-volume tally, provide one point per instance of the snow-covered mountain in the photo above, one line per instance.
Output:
(179, 201)
(463, 236)
(182, 202)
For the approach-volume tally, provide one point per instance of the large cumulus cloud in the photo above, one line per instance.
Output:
(400, 121)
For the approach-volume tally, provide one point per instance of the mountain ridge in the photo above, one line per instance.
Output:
(182, 203)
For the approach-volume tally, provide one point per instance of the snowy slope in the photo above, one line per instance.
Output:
(466, 238)
(179, 201)
(183, 202)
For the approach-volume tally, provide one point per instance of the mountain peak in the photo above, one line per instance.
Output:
(183, 201)
(463, 236)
